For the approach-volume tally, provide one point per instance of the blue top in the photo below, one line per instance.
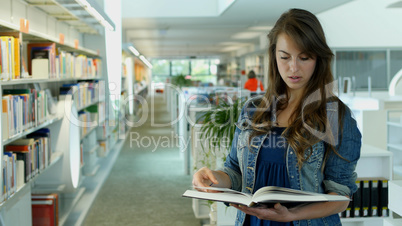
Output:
(271, 170)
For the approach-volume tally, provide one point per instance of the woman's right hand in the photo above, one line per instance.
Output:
(204, 177)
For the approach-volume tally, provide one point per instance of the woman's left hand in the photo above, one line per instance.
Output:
(278, 213)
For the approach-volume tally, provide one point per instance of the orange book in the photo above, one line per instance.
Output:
(5, 127)
(21, 145)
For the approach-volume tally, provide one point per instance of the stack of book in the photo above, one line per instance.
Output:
(370, 200)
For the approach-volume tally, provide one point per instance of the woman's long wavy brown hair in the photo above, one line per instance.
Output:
(305, 29)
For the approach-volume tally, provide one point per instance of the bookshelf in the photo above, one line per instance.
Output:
(394, 145)
(75, 177)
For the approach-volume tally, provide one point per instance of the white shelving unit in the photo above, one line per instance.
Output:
(394, 125)
(382, 160)
(77, 193)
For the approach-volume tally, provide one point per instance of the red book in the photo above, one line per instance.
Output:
(45, 211)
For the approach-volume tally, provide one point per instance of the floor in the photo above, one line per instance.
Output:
(147, 180)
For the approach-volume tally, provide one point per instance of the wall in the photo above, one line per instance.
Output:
(363, 24)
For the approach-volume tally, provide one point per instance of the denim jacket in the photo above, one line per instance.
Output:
(338, 176)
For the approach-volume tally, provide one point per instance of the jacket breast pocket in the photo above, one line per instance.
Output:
(244, 126)
(315, 154)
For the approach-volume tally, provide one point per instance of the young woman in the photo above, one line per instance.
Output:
(299, 135)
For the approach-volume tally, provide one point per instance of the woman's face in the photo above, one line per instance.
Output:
(295, 67)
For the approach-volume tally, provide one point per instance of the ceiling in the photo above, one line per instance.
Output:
(158, 30)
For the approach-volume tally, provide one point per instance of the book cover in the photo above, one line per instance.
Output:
(51, 210)
(17, 49)
(4, 119)
(374, 198)
(365, 198)
(266, 195)
(43, 213)
(20, 144)
(50, 47)
(5, 73)
(357, 201)
(384, 198)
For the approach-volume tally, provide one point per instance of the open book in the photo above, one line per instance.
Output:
(266, 195)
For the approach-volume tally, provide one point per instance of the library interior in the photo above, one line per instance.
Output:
(111, 108)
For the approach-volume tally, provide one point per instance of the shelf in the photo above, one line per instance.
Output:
(372, 156)
(398, 170)
(93, 128)
(396, 124)
(93, 172)
(392, 222)
(67, 205)
(31, 80)
(14, 198)
(395, 146)
(48, 188)
(28, 131)
(372, 220)
(93, 185)
(395, 191)
(93, 149)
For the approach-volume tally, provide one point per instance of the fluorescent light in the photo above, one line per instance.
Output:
(261, 28)
(146, 61)
(92, 11)
(134, 50)
(246, 35)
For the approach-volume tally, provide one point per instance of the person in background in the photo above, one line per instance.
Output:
(252, 82)
(299, 135)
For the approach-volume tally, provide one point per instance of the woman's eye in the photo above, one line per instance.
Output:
(304, 58)
(284, 58)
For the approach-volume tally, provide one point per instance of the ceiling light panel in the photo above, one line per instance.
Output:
(261, 28)
(246, 35)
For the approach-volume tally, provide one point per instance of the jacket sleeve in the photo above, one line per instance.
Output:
(232, 166)
(339, 172)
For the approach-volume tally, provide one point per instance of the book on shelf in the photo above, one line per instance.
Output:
(9, 174)
(45, 209)
(17, 50)
(10, 56)
(370, 199)
(20, 107)
(25, 151)
(44, 143)
(357, 201)
(264, 196)
(42, 57)
(383, 188)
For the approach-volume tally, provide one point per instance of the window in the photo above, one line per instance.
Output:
(200, 67)
(180, 67)
(362, 65)
(203, 70)
(160, 70)
(396, 62)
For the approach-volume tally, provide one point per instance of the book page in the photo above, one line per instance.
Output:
(238, 198)
(227, 190)
(278, 194)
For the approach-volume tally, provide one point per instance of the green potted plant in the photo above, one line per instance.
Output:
(219, 127)
(216, 134)
(181, 81)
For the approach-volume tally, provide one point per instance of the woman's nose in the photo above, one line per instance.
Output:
(294, 67)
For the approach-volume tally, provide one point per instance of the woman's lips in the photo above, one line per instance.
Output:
(294, 78)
